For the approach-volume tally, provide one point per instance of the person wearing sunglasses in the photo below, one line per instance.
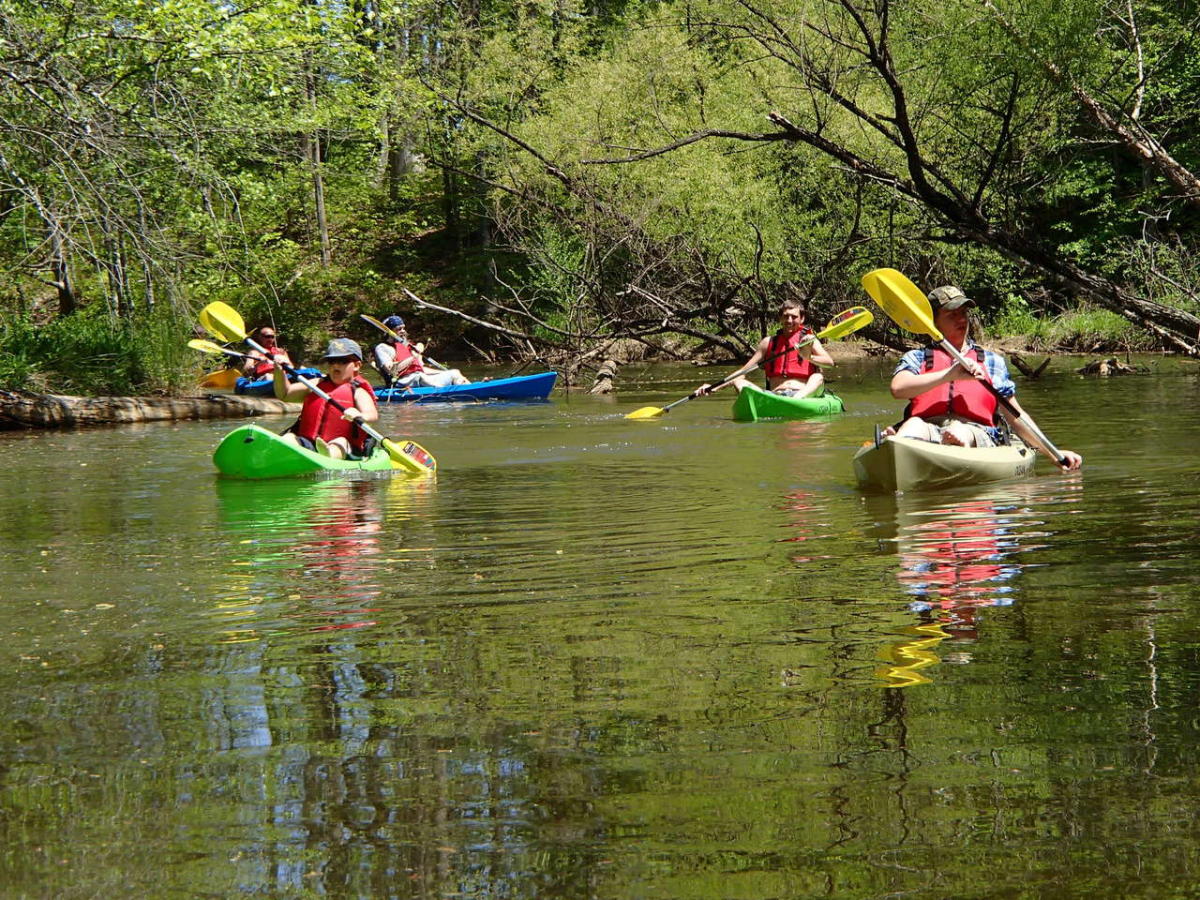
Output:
(321, 427)
(256, 365)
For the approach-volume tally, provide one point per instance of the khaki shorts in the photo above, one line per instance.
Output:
(933, 430)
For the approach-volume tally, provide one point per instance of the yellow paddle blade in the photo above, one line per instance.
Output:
(223, 321)
(846, 322)
(374, 321)
(902, 300)
(205, 346)
(411, 456)
(646, 412)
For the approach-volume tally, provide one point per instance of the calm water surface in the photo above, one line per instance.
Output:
(607, 658)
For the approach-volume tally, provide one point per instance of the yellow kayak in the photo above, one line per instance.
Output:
(222, 379)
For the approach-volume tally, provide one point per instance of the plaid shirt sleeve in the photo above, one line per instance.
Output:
(997, 370)
(912, 361)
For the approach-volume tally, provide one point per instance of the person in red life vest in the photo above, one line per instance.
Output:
(255, 365)
(791, 370)
(400, 363)
(321, 427)
(948, 402)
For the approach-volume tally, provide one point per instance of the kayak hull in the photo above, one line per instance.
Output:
(753, 403)
(521, 387)
(222, 379)
(265, 387)
(252, 451)
(909, 464)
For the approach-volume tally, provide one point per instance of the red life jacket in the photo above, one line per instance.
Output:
(966, 399)
(405, 352)
(266, 366)
(320, 419)
(789, 363)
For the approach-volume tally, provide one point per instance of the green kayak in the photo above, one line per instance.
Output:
(754, 403)
(253, 452)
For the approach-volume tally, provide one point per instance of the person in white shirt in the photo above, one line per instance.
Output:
(400, 363)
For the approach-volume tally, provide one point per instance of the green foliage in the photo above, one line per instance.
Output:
(94, 353)
(1016, 317)
(1088, 328)
(170, 154)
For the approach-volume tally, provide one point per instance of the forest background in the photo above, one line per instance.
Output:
(569, 180)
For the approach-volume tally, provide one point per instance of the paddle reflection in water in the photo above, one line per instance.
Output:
(312, 551)
(957, 557)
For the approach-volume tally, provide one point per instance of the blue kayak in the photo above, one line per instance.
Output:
(265, 387)
(522, 387)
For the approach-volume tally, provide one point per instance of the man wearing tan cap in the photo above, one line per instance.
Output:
(948, 403)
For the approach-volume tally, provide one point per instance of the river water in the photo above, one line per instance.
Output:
(600, 657)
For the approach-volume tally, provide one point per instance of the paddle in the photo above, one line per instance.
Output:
(420, 348)
(842, 324)
(223, 322)
(210, 347)
(909, 308)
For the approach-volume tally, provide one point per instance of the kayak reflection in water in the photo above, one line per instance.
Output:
(792, 370)
(949, 403)
(953, 565)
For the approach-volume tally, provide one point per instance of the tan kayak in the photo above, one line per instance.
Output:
(909, 464)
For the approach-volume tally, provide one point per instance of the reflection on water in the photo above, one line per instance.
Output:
(958, 555)
(322, 532)
(555, 673)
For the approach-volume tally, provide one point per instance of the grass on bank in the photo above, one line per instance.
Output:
(1086, 329)
(93, 353)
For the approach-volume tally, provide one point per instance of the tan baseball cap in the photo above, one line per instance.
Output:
(948, 297)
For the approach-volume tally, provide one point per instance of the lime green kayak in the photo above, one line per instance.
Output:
(753, 403)
(253, 452)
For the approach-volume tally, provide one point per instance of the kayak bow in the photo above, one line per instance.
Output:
(753, 403)
(906, 464)
(252, 451)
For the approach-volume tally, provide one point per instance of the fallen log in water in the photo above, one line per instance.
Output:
(604, 378)
(1106, 367)
(25, 409)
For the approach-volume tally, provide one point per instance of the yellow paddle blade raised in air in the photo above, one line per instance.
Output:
(223, 322)
(902, 300)
(374, 321)
(845, 323)
(206, 346)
